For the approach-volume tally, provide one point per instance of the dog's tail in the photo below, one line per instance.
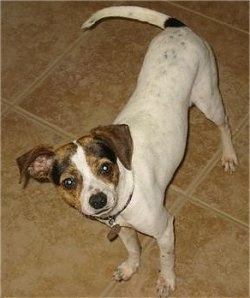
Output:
(136, 13)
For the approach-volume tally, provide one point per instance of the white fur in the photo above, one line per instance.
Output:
(133, 12)
(179, 70)
(92, 184)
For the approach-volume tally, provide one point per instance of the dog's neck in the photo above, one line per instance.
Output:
(124, 189)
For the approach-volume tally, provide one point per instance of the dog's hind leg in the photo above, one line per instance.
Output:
(206, 96)
(229, 159)
(126, 269)
(166, 280)
(214, 111)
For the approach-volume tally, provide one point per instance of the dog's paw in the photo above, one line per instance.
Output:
(229, 162)
(125, 271)
(165, 286)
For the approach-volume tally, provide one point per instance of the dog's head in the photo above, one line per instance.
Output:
(86, 172)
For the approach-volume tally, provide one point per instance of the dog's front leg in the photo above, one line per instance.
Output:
(126, 269)
(166, 280)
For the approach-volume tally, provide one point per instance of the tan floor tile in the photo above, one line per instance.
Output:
(48, 249)
(211, 256)
(34, 34)
(172, 200)
(229, 193)
(237, 11)
(95, 80)
(203, 142)
(20, 134)
(143, 283)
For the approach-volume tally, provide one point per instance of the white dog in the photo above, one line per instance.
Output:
(118, 174)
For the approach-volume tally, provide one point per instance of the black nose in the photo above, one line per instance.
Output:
(98, 200)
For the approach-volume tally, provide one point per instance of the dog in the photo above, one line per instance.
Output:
(118, 173)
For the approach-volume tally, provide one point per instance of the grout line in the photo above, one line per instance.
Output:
(180, 200)
(43, 122)
(112, 285)
(240, 126)
(187, 195)
(218, 212)
(30, 88)
(194, 200)
(8, 107)
(4, 100)
(7, 103)
(190, 198)
(177, 189)
(215, 158)
(204, 172)
(208, 17)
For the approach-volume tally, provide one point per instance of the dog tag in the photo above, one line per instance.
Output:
(113, 233)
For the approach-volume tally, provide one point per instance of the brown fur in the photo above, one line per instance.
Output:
(63, 154)
(110, 178)
(71, 196)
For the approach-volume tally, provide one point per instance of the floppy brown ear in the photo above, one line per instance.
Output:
(35, 164)
(117, 138)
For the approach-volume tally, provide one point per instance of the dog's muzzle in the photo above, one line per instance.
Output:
(98, 200)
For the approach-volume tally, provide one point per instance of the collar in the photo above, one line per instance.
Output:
(111, 218)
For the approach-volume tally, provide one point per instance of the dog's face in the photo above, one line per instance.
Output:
(86, 172)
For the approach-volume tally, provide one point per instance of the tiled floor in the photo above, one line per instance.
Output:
(57, 83)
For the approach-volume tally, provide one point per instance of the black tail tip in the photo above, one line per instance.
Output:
(172, 22)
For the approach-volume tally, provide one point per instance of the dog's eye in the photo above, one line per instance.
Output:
(69, 183)
(105, 168)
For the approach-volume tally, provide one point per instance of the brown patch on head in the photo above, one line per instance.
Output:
(70, 187)
(61, 161)
(65, 175)
(104, 169)
(118, 138)
(101, 159)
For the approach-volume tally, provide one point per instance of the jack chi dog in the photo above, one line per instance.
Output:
(118, 173)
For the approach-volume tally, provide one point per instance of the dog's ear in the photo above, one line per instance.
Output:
(117, 138)
(35, 164)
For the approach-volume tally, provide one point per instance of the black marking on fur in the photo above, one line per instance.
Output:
(101, 150)
(183, 44)
(57, 170)
(172, 22)
(60, 165)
